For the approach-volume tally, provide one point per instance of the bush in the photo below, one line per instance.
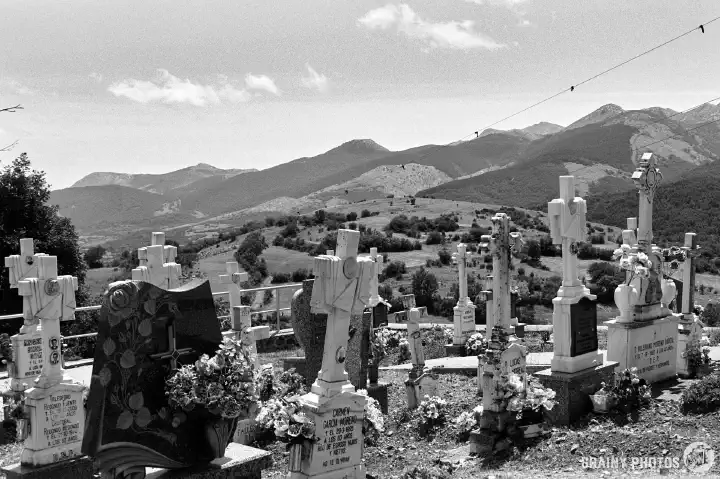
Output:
(434, 237)
(444, 256)
(394, 269)
(280, 278)
(703, 396)
(711, 314)
(424, 287)
(300, 275)
(364, 213)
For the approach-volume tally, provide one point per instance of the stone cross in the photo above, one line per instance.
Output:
(415, 341)
(242, 325)
(647, 179)
(157, 264)
(23, 265)
(688, 290)
(341, 289)
(50, 299)
(461, 257)
(233, 279)
(501, 245)
(378, 259)
(629, 235)
(567, 227)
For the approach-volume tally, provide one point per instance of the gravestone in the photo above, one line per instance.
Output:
(144, 334)
(54, 405)
(645, 335)
(464, 310)
(341, 290)
(420, 381)
(27, 359)
(309, 329)
(358, 349)
(157, 264)
(690, 328)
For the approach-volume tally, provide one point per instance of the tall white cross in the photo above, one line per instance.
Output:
(233, 279)
(461, 257)
(647, 179)
(378, 259)
(341, 289)
(567, 227)
(50, 299)
(417, 352)
(157, 264)
(501, 245)
(688, 284)
(23, 265)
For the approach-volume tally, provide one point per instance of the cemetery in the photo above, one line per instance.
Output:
(367, 392)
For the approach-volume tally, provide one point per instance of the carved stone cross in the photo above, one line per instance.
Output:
(173, 354)
(378, 259)
(567, 227)
(50, 299)
(233, 279)
(157, 264)
(461, 257)
(647, 179)
(23, 265)
(501, 244)
(341, 289)
(688, 289)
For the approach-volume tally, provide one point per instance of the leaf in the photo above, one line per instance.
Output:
(143, 417)
(127, 360)
(150, 306)
(109, 347)
(136, 401)
(125, 420)
(145, 328)
(164, 413)
(105, 376)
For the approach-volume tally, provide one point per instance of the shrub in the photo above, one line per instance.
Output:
(280, 278)
(434, 237)
(300, 275)
(393, 269)
(424, 287)
(352, 216)
(444, 256)
(431, 412)
(364, 213)
(711, 314)
(703, 396)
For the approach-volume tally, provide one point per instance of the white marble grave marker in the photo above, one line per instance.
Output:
(464, 311)
(157, 264)
(55, 404)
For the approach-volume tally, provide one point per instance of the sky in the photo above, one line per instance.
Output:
(158, 85)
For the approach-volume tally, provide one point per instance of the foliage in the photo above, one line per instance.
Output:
(711, 314)
(434, 341)
(475, 344)
(465, 422)
(393, 269)
(604, 278)
(373, 421)
(627, 391)
(587, 251)
(265, 383)
(419, 471)
(247, 255)
(444, 256)
(696, 356)
(435, 237)
(292, 383)
(285, 418)
(702, 396)
(403, 350)
(223, 384)
(431, 411)
(534, 397)
(93, 256)
(425, 288)
(413, 226)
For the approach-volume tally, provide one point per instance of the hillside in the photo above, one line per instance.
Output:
(601, 150)
(113, 206)
(159, 183)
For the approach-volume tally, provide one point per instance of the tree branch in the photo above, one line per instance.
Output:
(11, 109)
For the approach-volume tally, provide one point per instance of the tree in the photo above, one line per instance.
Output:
(24, 213)
(425, 287)
(93, 257)
(533, 250)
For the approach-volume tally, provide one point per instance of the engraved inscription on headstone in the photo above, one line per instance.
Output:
(583, 327)
(28, 356)
(59, 421)
(339, 443)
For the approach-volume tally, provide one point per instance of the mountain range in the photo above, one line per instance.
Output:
(516, 168)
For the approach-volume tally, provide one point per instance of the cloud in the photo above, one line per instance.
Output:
(261, 82)
(96, 76)
(500, 3)
(168, 88)
(453, 34)
(13, 87)
(314, 79)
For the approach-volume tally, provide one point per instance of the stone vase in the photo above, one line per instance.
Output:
(295, 457)
(218, 432)
(626, 297)
(669, 290)
(602, 403)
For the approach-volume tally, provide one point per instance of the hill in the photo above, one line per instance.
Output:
(159, 183)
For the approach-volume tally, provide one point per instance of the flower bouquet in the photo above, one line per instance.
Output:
(475, 345)
(431, 412)
(604, 399)
(530, 407)
(373, 421)
(221, 389)
(292, 426)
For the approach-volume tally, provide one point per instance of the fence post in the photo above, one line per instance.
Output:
(277, 309)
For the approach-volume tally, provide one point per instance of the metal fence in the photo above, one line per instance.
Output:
(277, 309)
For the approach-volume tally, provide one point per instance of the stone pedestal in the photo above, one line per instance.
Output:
(573, 390)
(239, 461)
(27, 358)
(650, 346)
(454, 350)
(492, 434)
(78, 468)
(337, 453)
(575, 330)
(463, 322)
(379, 392)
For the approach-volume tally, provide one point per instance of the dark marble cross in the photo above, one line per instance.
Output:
(173, 354)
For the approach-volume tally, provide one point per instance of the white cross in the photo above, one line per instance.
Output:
(378, 259)
(461, 258)
(157, 264)
(567, 226)
(647, 179)
(688, 290)
(233, 279)
(341, 289)
(49, 298)
(23, 265)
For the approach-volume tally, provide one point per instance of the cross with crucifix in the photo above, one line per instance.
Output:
(647, 178)
(172, 353)
(341, 289)
(50, 299)
(233, 279)
(567, 227)
(157, 264)
(501, 244)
